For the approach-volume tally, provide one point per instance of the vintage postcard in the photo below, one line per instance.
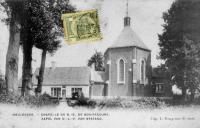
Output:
(133, 64)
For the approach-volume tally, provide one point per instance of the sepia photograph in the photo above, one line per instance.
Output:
(99, 63)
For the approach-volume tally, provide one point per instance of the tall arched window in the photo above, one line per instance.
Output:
(142, 72)
(121, 71)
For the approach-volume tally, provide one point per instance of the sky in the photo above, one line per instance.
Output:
(146, 21)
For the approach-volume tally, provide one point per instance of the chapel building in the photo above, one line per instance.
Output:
(128, 64)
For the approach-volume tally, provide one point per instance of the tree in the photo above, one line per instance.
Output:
(17, 17)
(179, 43)
(41, 24)
(97, 60)
(27, 45)
(14, 11)
(45, 27)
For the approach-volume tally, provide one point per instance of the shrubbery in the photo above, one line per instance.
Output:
(9, 99)
(151, 102)
(42, 100)
(142, 103)
(110, 103)
(197, 100)
(46, 100)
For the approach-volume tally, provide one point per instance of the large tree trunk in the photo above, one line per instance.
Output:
(184, 94)
(27, 68)
(41, 72)
(184, 89)
(11, 74)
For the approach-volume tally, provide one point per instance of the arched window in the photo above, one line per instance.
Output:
(142, 72)
(121, 71)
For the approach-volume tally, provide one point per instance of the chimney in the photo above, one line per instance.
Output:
(53, 64)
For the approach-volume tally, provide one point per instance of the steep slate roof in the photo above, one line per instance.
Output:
(64, 76)
(128, 38)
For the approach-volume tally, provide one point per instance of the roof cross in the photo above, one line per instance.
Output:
(127, 19)
(126, 7)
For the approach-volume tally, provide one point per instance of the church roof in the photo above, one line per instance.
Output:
(128, 38)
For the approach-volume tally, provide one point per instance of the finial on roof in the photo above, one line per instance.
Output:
(127, 19)
(127, 8)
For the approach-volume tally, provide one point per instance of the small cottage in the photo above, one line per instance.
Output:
(61, 82)
(160, 83)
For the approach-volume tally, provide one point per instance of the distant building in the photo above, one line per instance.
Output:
(160, 83)
(63, 81)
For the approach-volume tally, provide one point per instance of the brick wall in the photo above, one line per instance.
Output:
(132, 72)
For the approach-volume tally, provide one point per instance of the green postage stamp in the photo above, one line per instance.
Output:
(81, 26)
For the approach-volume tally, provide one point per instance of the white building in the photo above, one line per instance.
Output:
(63, 81)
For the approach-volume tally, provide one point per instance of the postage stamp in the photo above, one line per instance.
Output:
(81, 26)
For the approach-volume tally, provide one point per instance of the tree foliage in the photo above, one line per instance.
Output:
(45, 22)
(97, 60)
(180, 43)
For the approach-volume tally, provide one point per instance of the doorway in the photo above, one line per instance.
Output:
(64, 94)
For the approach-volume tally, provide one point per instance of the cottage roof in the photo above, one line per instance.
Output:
(158, 73)
(128, 38)
(64, 76)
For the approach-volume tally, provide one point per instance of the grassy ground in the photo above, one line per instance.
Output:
(110, 113)
(44, 112)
